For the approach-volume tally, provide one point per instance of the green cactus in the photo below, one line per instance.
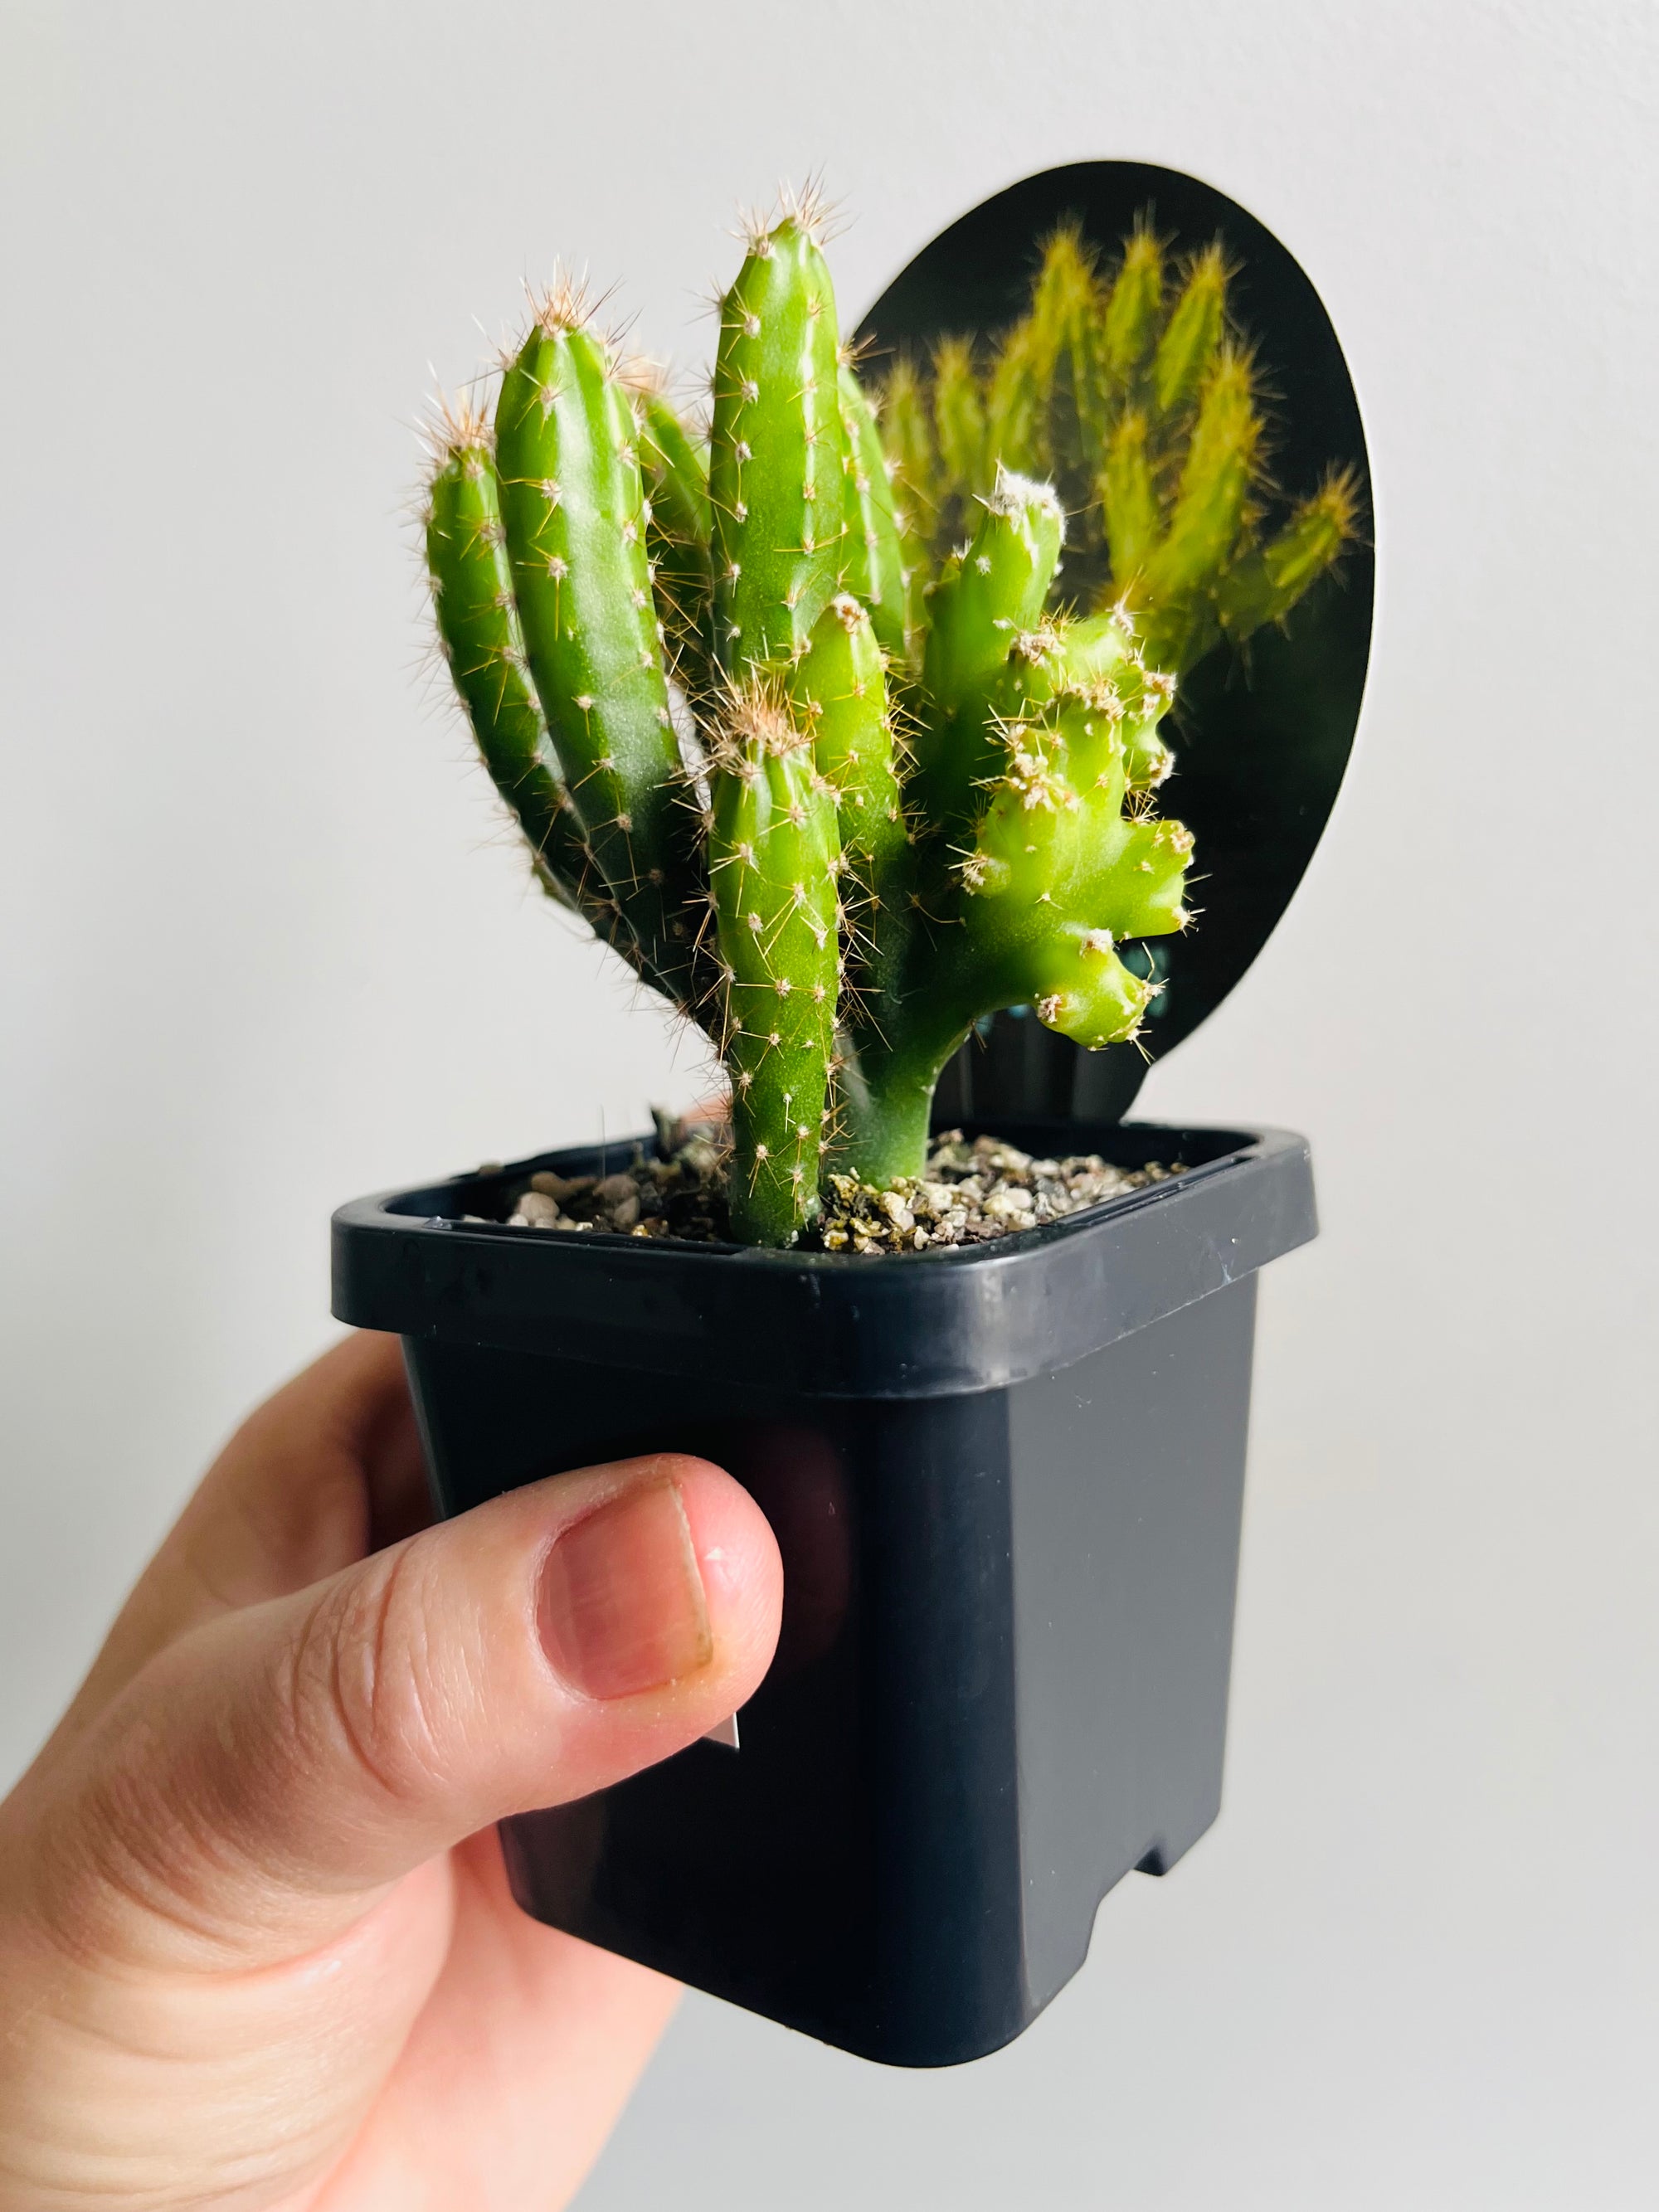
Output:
(775, 854)
(777, 473)
(677, 538)
(480, 635)
(836, 792)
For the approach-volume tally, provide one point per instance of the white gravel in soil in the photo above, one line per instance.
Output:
(973, 1190)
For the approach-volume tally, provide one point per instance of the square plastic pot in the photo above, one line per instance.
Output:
(1007, 1481)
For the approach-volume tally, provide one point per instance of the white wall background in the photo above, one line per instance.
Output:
(264, 949)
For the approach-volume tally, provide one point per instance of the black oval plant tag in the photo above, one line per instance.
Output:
(1263, 732)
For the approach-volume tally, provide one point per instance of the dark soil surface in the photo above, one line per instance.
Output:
(973, 1191)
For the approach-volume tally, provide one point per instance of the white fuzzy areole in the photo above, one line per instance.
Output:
(1014, 493)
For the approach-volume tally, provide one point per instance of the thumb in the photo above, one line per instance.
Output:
(265, 1774)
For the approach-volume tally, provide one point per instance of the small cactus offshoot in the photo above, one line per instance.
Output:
(836, 788)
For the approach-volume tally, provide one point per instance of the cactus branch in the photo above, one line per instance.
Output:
(774, 855)
(777, 475)
(1265, 585)
(838, 690)
(479, 630)
(990, 594)
(874, 544)
(574, 510)
(676, 474)
(1191, 338)
(1129, 322)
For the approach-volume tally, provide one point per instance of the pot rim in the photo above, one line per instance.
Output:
(833, 1324)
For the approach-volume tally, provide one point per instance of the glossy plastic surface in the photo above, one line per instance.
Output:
(1002, 1678)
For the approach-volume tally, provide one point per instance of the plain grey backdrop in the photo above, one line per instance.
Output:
(265, 947)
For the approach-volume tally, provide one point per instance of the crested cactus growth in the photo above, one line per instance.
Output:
(834, 791)
(1133, 394)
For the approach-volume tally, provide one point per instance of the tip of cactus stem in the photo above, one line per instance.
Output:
(807, 210)
(754, 719)
(953, 355)
(1210, 268)
(1065, 242)
(454, 423)
(1143, 245)
(1339, 500)
(1013, 493)
(1232, 377)
(565, 304)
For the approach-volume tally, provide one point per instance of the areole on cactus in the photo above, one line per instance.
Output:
(834, 788)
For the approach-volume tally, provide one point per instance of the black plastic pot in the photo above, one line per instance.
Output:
(1006, 1483)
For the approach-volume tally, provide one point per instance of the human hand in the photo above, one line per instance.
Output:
(257, 1947)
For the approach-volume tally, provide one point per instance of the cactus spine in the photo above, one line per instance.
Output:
(836, 787)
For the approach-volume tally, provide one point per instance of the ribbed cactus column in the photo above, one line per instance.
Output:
(478, 629)
(774, 855)
(839, 691)
(675, 473)
(574, 508)
(989, 594)
(874, 547)
(777, 476)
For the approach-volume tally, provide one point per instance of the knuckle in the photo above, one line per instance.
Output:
(363, 1680)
